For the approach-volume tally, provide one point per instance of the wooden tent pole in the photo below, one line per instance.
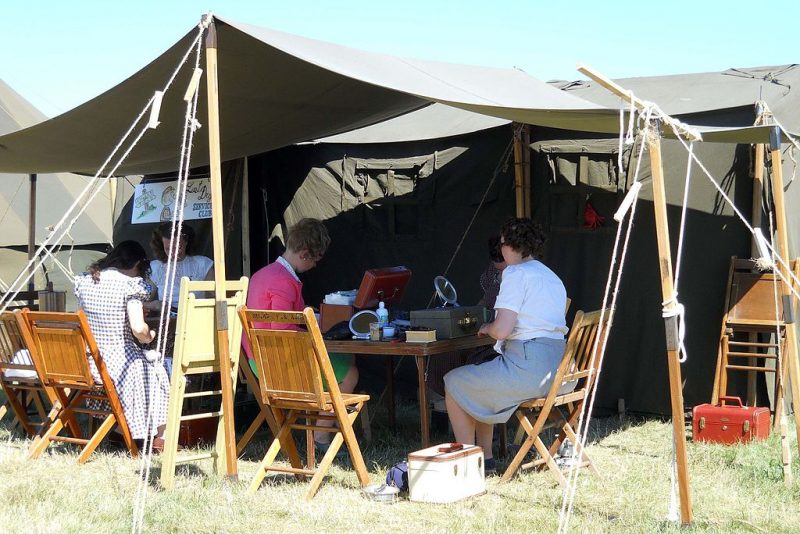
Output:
(526, 171)
(667, 291)
(790, 358)
(31, 228)
(217, 212)
(519, 175)
(758, 188)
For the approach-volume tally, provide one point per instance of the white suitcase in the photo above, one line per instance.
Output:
(446, 473)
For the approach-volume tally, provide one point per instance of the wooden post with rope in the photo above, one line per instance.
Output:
(221, 312)
(790, 358)
(667, 291)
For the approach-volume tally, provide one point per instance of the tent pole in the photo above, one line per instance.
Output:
(217, 213)
(519, 179)
(31, 228)
(758, 187)
(667, 292)
(246, 218)
(526, 170)
(790, 358)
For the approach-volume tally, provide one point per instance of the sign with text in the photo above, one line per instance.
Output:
(155, 201)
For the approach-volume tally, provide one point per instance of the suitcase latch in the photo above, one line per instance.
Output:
(746, 426)
(702, 423)
(467, 321)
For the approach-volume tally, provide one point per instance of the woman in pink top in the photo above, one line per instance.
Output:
(277, 287)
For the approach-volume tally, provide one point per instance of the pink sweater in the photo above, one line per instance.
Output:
(273, 288)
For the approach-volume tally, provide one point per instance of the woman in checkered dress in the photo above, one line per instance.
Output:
(111, 295)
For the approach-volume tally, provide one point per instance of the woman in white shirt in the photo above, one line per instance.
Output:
(529, 327)
(189, 265)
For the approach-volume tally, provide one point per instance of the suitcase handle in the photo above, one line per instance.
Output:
(736, 400)
(453, 447)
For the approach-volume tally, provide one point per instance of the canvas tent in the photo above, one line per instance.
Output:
(277, 89)
(54, 193)
(343, 179)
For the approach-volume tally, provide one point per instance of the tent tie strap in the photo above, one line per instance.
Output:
(673, 313)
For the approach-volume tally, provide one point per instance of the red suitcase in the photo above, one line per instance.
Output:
(729, 424)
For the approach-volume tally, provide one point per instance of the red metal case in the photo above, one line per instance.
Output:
(729, 424)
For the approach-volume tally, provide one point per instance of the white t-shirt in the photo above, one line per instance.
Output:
(538, 297)
(194, 267)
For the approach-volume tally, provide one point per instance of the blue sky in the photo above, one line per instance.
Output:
(58, 54)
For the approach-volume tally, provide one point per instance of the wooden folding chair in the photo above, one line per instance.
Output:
(19, 379)
(291, 365)
(195, 355)
(561, 410)
(751, 331)
(61, 345)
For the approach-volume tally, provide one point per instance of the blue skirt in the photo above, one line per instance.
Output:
(491, 391)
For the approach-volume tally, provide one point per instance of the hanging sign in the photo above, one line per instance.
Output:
(155, 201)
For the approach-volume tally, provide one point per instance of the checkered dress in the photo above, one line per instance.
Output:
(105, 304)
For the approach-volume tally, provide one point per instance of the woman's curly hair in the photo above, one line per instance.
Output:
(525, 236)
(123, 256)
(310, 235)
(165, 230)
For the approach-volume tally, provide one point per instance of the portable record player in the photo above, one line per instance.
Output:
(449, 320)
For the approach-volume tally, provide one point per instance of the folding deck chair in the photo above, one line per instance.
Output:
(560, 409)
(61, 345)
(19, 379)
(751, 333)
(194, 355)
(291, 365)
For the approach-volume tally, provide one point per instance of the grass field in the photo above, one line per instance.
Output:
(734, 489)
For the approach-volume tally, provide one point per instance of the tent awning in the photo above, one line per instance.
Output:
(277, 89)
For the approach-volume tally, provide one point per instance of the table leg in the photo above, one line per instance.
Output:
(423, 402)
(390, 391)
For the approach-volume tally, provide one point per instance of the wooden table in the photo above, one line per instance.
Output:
(390, 349)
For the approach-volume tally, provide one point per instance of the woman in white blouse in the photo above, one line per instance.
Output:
(529, 327)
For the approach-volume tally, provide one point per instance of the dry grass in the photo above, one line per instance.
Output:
(735, 489)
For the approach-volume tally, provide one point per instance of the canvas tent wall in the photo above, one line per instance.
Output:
(55, 192)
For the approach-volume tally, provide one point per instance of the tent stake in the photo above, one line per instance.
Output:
(790, 358)
(667, 291)
(221, 311)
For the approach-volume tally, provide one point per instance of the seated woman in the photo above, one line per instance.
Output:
(277, 287)
(187, 264)
(529, 326)
(111, 294)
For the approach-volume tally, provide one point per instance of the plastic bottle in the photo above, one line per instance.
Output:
(383, 314)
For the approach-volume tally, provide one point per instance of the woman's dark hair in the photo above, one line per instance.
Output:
(123, 256)
(165, 230)
(495, 249)
(524, 236)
